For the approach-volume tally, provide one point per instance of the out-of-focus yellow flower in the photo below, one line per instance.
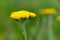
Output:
(32, 14)
(58, 18)
(48, 11)
(22, 14)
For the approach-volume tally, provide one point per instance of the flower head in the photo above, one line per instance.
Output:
(48, 11)
(22, 14)
(32, 14)
(58, 18)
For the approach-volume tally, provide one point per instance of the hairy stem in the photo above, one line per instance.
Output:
(50, 26)
(24, 31)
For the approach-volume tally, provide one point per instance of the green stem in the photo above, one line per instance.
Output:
(50, 26)
(24, 31)
(42, 31)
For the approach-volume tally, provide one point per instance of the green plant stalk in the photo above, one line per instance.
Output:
(50, 27)
(24, 30)
(43, 28)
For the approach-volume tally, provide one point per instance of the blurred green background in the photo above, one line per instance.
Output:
(11, 29)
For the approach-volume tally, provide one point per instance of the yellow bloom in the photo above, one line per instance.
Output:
(32, 14)
(48, 11)
(58, 18)
(22, 14)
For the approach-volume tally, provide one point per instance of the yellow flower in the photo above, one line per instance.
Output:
(58, 18)
(22, 14)
(32, 14)
(48, 11)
